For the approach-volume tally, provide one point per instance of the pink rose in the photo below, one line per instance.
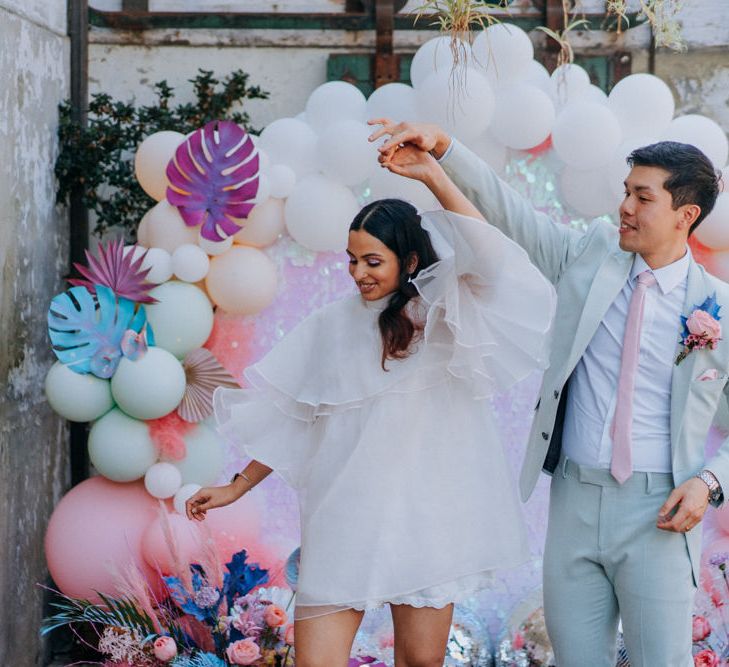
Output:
(165, 649)
(518, 642)
(243, 652)
(274, 616)
(706, 658)
(289, 635)
(701, 628)
(700, 323)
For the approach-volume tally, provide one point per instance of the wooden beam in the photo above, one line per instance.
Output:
(387, 63)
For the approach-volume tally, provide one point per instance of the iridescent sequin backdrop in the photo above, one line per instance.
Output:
(308, 281)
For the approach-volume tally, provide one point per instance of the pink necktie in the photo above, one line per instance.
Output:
(621, 466)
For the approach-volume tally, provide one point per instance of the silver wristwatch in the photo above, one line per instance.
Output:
(715, 492)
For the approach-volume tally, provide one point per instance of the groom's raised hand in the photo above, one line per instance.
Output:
(425, 136)
(685, 507)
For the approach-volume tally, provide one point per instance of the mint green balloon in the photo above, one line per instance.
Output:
(77, 397)
(120, 447)
(150, 387)
(182, 319)
(204, 460)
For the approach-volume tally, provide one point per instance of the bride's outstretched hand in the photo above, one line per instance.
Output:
(209, 498)
(411, 162)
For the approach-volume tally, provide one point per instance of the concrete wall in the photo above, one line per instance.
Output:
(291, 64)
(33, 256)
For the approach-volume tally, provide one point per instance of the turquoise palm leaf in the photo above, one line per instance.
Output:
(86, 333)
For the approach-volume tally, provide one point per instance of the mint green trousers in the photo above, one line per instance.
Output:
(605, 560)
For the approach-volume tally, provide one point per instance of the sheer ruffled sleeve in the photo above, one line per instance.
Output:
(495, 304)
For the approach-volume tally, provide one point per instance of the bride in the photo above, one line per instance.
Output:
(375, 409)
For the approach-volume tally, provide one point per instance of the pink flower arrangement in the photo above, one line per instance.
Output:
(701, 628)
(165, 649)
(706, 658)
(274, 616)
(243, 652)
(289, 635)
(701, 329)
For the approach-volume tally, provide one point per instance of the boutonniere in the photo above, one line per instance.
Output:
(701, 328)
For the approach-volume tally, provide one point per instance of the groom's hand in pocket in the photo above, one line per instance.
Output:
(685, 507)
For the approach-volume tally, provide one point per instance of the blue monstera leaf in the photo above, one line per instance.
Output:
(87, 333)
(241, 578)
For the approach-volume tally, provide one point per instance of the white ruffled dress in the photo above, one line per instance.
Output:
(406, 496)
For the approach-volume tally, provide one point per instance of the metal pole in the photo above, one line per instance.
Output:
(78, 31)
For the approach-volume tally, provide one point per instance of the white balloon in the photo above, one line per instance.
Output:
(264, 189)
(282, 180)
(643, 104)
(384, 184)
(537, 75)
(588, 191)
(618, 169)
(159, 262)
(490, 150)
(504, 52)
(166, 229)
(75, 396)
(568, 82)
(150, 387)
(214, 248)
(464, 108)
(151, 159)
(436, 55)
(395, 101)
(701, 132)
(334, 101)
(190, 263)
(204, 459)
(182, 318)
(586, 135)
(120, 447)
(318, 213)
(523, 117)
(143, 231)
(162, 480)
(291, 142)
(724, 183)
(593, 94)
(264, 162)
(264, 225)
(185, 492)
(345, 154)
(714, 229)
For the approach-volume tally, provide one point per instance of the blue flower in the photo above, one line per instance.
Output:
(241, 578)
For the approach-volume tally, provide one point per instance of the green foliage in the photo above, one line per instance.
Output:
(99, 158)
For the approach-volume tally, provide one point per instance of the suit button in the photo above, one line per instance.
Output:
(545, 436)
(556, 393)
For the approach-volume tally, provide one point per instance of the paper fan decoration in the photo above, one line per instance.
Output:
(213, 179)
(204, 375)
(120, 271)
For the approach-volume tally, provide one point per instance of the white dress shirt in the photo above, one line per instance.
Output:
(593, 387)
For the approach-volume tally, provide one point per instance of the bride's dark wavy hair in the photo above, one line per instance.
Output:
(397, 224)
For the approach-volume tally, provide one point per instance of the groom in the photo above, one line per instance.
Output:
(620, 425)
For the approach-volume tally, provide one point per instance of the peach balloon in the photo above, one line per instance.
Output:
(238, 526)
(264, 225)
(242, 281)
(150, 161)
(96, 530)
(166, 229)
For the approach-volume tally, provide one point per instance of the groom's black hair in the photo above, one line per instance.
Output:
(692, 180)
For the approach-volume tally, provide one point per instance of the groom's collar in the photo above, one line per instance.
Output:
(668, 277)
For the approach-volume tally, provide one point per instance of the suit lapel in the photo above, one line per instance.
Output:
(683, 374)
(609, 280)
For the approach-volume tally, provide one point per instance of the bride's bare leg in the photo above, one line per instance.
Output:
(326, 641)
(421, 635)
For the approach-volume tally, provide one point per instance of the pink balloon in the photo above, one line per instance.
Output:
(236, 527)
(721, 518)
(189, 543)
(95, 531)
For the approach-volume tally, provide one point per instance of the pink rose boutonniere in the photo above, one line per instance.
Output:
(701, 328)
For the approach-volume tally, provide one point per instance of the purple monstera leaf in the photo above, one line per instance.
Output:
(213, 179)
